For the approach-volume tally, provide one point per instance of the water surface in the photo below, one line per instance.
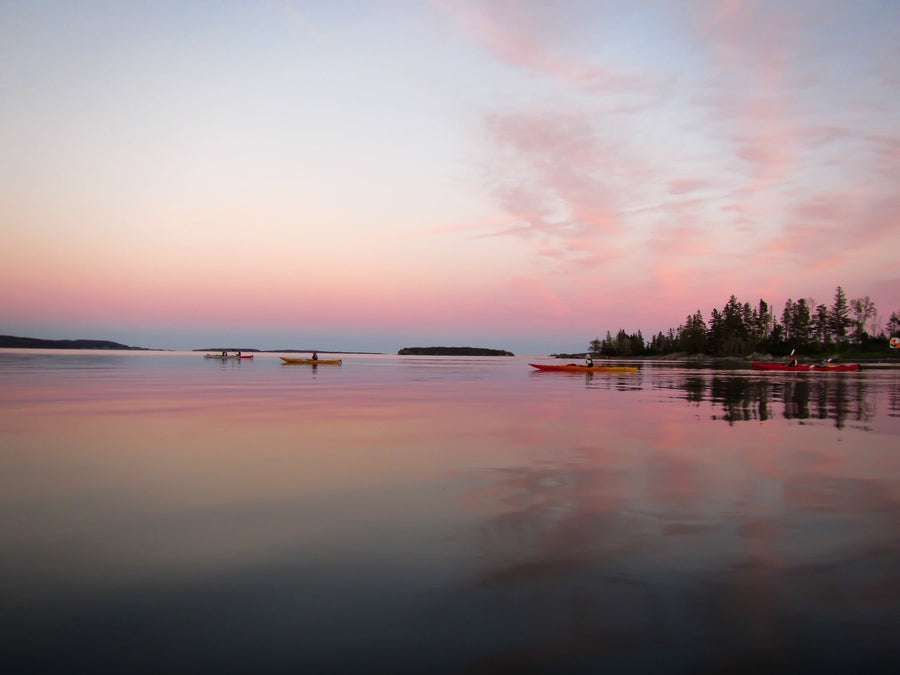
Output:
(160, 512)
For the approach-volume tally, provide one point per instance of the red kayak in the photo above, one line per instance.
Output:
(804, 368)
(780, 366)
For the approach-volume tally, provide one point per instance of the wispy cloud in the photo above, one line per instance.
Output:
(560, 171)
(742, 171)
(486, 227)
(520, 34)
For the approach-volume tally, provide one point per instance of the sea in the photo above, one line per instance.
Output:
(165, 513)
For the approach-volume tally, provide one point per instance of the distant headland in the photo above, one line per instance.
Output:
(452, 351)
(13, 342)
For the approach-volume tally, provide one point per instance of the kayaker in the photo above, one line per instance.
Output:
(315, 356)
(793, 362)
(588, 361)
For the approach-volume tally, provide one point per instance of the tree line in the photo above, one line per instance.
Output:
(739, 329)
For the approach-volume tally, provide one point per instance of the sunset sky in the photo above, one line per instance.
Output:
(522, 175)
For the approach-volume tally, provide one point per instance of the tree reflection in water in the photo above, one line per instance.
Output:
(745, 399)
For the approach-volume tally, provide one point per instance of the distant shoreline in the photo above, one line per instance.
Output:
(452, 351)
(13, 342)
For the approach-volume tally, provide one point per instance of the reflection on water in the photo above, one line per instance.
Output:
(843, 399)
(12, 361)
(740, 396)
(162, 513)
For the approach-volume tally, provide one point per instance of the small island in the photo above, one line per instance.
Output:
(452, 351)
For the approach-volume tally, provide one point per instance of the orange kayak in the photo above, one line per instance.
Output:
(575, 368)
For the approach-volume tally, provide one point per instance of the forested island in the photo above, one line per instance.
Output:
(452, 351)
(740, 329)
(13, 342)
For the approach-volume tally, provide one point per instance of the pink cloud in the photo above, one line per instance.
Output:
(520, 34)
(753, 46)
(551, 170)
(841, 221)
(679, 186)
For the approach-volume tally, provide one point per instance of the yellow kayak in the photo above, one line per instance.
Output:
(313, 362)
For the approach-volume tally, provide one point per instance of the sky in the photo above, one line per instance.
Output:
(367, 176)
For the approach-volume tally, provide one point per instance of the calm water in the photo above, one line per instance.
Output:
(164, 513)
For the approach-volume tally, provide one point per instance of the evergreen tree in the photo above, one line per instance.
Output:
(777, 335)
(763, 322)
(608, 347)
(693, 336)
(623, 344)
(748, 320)
(659, 344)
(716, 332)
(734, 331)
(840, 316)
(820, 325)
(787, 320)
(801, 322)
(638, 346)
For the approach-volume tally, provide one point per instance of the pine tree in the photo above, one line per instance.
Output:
(716, 332)
(820, 323)
(734, 331)
(763, 322)
(787, 320)
(801, 322)
(606, 347)
(840, 316)
(638, 346)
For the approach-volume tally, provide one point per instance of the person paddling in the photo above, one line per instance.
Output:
(588, 361)
(315, 356)
(793, 362)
